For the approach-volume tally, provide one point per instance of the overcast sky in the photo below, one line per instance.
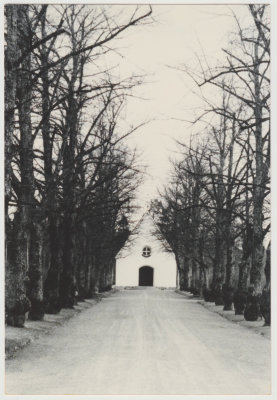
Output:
(177, 35)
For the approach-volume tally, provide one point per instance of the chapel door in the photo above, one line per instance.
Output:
(146, 275)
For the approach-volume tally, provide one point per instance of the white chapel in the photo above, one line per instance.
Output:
(145, 260)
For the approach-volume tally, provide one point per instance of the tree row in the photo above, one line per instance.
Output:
(69, 178)
(215, 212)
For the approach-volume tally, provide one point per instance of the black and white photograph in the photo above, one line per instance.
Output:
(137, 199)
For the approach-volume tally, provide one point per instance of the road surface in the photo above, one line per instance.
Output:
(147, 341)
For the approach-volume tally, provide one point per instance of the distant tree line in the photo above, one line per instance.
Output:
(69, 178)
(215, 213)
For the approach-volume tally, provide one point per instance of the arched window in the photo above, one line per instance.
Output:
(146, 251)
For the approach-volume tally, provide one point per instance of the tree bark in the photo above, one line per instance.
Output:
(68, 280)
(218, 268)
(220, 220)
(11, 55)
(266, 294)
(258, 187)
(26, 193)
(52, 223)
(184, 273)
(35, 273)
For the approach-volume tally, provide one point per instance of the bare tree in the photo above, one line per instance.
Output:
(55, 150)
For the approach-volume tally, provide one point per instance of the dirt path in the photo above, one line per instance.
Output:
(147, 341)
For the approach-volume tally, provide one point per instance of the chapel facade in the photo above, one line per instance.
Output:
(146, 260)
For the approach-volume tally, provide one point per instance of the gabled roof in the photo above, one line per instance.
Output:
(135, 231)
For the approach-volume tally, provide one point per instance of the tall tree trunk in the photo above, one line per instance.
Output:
(229, 262)
(88, 266)
(26, 196)
(245, 262)
(258, 187)
(52, 225)
(178, 272)
(68, 280)
(94, 283)
(82, 260)
(52, 282)
(11, 56)
(266, 294)
(218, 268)
(17, 302)
(240, 296)
(35, 273)
(229, 214)
(194, 274)
(184, 273)
(202, 266)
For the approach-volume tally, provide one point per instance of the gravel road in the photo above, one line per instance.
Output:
(145, 341)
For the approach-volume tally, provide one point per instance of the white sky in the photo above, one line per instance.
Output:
(178, 33)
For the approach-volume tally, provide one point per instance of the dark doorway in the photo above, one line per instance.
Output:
(146, 276)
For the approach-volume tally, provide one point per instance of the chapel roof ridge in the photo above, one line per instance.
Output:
(162, 238)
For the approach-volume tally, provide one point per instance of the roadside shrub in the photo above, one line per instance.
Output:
(208, 294)
(37, 310)
(105, 288)
(195, 291)
(252, 308)
(266, 305)
(228, 297)
(218, 296)
(240, 298)
(53, 305)
(16, 315)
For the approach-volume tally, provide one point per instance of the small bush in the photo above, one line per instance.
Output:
(252, 308)
(266, 305)
(105, 288)
(53, 305)
(228, 297)
(208, 295)
(240, 298)
(195, 291)
(218, 297)
(37, 310)
(15, 316)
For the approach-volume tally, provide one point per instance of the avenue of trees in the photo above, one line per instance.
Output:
(69, 178)
(215, 212)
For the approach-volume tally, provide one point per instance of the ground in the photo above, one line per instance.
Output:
(147, 341)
